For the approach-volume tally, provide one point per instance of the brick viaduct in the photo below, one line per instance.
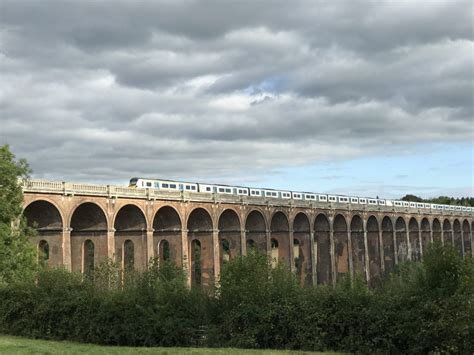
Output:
(79, 226)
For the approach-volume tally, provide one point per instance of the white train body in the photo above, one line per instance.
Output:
(286, 195)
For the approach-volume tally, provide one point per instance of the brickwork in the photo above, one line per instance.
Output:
(320, 244)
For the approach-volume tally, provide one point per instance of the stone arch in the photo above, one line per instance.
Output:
(229, 235)
(88, 257)
(447, 232)
(280, 232)
(425, 234)
(88, 222)
(436, 227)
(130, 232)
(47, 219)
(256, 231)
(388, 245)
(373, 246)
(457, 236)
(302, 248)
(341, 246)
(323, 245)
(200, 244)
(466, 232)
(358, 246)
(167, 227)
(414, 238)
(401, 239)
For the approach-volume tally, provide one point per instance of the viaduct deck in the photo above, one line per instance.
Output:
(81, 225)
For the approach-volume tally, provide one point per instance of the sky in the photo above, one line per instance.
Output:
(367, 98)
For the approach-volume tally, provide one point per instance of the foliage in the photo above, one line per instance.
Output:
(17, 256)
(421, 308)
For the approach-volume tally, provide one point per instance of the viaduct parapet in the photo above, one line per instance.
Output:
(81, 225)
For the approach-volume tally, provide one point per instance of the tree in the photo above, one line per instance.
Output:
(17, 255)
(412, 198)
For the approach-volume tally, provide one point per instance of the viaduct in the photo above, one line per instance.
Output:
(80, 225)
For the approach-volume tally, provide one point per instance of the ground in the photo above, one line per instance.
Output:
(17, 345)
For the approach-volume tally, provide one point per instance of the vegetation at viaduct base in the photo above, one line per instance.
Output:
(421, 307)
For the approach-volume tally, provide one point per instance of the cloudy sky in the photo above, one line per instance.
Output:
(356, 97)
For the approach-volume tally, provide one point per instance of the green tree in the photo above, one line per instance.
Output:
(17, 255)
(412, 198)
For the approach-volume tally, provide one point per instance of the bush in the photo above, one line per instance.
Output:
(421, 308)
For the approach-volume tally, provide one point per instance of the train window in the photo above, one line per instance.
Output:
(188, 187)
(157, 185)
(362, 201)
(419, 205)
(148, 184)
(372, 202)
(382, 202)
(165, 186)
(343, 199)
(354, 200)
(332, 198)
(208, 189)
(193, 188)
(172, 186)
(228, 190)
(323, 198)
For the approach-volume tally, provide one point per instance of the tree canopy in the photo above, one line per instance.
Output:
(17, 255)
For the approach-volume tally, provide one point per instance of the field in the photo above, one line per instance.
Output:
(17, 345)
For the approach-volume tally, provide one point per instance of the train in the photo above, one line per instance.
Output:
(171, 185)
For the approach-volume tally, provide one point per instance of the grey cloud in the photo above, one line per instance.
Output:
(198, 89)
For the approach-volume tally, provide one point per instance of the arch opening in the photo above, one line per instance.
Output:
(43, 253)
(341, 246)
(88, 257)
(467, 238)
(196, 263)
(425, 234)
(200, 229)
(401, 238)
(128, 255)
(167, 230)
(373, 245)
(414, 238)
(447, 233)
(130, 237)
(280, 232)
(323, 249)
(388, 243)
(457, 236)
(46, 219)
(437, 234)
(358, 246)
(302, 249)
(256, 230)
(229, 236)
(88, 230)
(164, 250)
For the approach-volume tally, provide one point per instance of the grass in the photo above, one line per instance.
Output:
(17, 345)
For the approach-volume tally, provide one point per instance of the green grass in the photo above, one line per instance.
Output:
(17, 345)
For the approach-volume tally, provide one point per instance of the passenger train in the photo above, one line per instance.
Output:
(284, 195)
